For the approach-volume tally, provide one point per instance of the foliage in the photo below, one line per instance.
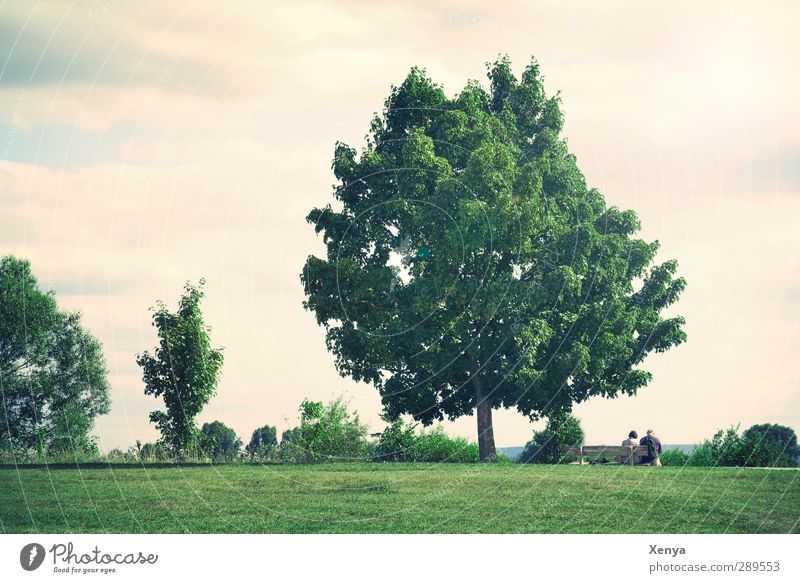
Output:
(550, 445)
(469, 266)
(396, 442)
(674, 457)
(116, 455)
(436, 446)
(290, 435)
(154, 452)
(503, 458)
(184, 369)
(530, 453)
(702, 456)
(725, 448)
(219, 442)
(53, 376)
(71, 433)
(329, 432)
(26, 317)
(758, 448)
(784, 440)
(263, 442)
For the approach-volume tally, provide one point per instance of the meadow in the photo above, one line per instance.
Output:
(396, 498)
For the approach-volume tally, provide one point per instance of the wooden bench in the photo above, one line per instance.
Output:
(626, 454)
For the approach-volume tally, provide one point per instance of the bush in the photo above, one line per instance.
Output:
(757, 447)
(531, 452)
(503, 458)
(674, 457)
(701, 456)
(783, 440)
(153, 452)
(550, 446)
(117, 456)
(396, 443)
(218, 442)
(399, 443)
(436, 446)
(331, 433)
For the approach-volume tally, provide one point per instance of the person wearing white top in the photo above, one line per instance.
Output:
(633, 439)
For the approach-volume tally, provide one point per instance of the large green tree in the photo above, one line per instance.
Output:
(53, 376)
(183, 370)
(469, 267)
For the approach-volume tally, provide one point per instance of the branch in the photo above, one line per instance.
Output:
(24, 364)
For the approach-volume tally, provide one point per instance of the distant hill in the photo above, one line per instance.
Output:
(512, 452)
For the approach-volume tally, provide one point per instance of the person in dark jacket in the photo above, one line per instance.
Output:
(653, 444)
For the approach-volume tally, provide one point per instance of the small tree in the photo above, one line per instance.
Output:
(263, 440)
(550, 446)
(184, 370)
(219, 441)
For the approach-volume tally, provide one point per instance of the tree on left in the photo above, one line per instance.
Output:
(183, 370)
(53, 376)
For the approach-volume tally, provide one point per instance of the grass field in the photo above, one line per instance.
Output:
(398, 498)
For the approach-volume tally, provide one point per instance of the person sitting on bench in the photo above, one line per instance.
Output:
(633, 439)
(653, 445)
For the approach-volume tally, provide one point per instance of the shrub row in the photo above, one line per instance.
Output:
(765, 445)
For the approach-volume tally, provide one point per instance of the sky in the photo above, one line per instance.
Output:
(150, 143)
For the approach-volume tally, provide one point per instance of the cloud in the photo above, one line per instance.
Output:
(82, 285)
(63, 43)
(778, 172)
(61, 146)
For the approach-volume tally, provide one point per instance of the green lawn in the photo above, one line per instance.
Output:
(398, 498)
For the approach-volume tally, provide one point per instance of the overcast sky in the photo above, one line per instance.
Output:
(145, 144)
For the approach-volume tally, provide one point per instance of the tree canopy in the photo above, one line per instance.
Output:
(263, 438)
(550, 446)
(219, 441)
(53, 375)
(469, 267)
(783, 440)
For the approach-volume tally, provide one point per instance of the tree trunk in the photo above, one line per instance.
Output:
(485, 430)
